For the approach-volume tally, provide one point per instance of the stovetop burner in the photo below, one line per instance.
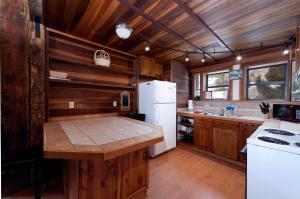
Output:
(280, 132)
(273, 140)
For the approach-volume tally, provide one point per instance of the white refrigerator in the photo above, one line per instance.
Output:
(157, 99)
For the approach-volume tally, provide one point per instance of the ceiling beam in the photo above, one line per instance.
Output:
(162, 26)
(202, 24)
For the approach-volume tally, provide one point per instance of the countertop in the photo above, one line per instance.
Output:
(240, 118)
(272, 123)
(99, 138)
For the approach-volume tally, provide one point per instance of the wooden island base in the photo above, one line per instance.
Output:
(122, 177)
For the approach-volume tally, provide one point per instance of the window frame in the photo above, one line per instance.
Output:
(217, 73)
(285, 82)
(195, 84)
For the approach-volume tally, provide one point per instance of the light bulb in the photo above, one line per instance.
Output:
(286, 51)
(202, 60)
(147, 48)
(187, 59)
(239, 58)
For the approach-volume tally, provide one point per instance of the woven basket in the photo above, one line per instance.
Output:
(102, 58)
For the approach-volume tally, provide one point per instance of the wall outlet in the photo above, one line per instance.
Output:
(71, 104)
(115, 103)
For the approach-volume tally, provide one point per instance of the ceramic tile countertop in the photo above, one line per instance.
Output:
(100, 138)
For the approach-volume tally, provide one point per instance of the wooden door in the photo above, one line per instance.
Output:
(203, 133)
(158, 70)
(134, 175)
(247, 129)
(225, 139)
(147, 66)
(202, 137)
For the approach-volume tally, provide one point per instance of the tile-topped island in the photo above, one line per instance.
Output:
(104, 157)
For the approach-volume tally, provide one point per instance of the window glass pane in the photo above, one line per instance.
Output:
(220, 79)
(272, 91)
(197, 90)
(197, 79)
(219, 92)
(295, 83)
(267, 74)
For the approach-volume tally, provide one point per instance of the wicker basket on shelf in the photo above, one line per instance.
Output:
(102, 58)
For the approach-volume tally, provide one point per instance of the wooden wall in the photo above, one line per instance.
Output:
(22, 93)
(92, 88)
(179, 73)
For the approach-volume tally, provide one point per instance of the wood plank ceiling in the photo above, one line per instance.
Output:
(206, 24)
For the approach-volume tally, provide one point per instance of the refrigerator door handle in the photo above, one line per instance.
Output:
(157, 115)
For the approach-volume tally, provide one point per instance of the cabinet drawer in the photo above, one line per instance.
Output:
(227, 125)
(201, 122)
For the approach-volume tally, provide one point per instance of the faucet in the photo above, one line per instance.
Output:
(231, 108)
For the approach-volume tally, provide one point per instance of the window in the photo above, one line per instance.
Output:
(197, 91)
(218, 84)
(267, 82)
(295, 82)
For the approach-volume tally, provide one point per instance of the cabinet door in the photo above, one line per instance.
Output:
(202, 137)
(246, 131)
(135, 168)
(225, 139)
(147, 66)
(158, 70)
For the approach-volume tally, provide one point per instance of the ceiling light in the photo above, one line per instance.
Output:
(203, 58)
(147, 48)
(187, 59)
(123, 30)
(239, 58)
(286, 51)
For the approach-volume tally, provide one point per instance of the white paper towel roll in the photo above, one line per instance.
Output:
(190, 105)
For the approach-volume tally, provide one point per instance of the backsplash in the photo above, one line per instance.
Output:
(247, 108)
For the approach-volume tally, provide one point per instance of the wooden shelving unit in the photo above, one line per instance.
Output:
(186, 133)
(64, 57)
(94, 84)
(185, 136)
(186, 124)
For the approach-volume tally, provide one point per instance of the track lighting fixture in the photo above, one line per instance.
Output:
(238, 57)
(147, 47)
(187, 59)
(285, 50)
(203, 58)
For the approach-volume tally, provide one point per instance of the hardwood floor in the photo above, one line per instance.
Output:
(183, 174)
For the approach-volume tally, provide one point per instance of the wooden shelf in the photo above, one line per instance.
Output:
(186, 133)
(95, 84)
(186, 124)
(66, 57)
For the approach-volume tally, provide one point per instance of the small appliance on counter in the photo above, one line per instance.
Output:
(190, 105)
(286, 112)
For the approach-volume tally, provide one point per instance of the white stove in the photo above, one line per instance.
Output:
(275, 138)
(273, 163)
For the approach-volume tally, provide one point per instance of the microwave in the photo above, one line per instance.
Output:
(287, 112)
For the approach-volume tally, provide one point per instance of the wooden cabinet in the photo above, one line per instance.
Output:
(225, 139)
(125, 177)
(203, 133)
(148, 67)
(246, 130)
(134, 174)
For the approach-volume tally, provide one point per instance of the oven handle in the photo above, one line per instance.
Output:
(244, 151)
